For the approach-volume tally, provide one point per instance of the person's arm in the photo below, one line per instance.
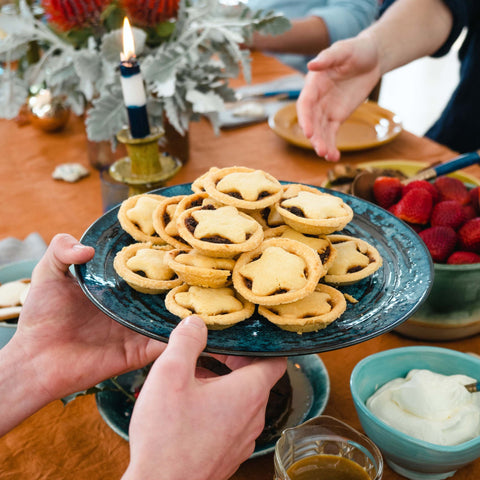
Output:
(63, 343)
(186, 425)
(343, 75)
(408, 30)
(307, 36)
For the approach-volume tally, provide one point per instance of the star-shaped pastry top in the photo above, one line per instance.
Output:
(320, 206)
(318, 244)
(347, 257)
(195, 259)
(141, 214)
(275, 270)
(225, 222)
(151, 262)
(315, 304)
(248, 184)
(209, 301)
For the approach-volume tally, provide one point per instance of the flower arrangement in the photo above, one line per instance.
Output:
(187, 53)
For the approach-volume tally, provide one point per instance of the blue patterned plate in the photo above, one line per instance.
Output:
(385, 299)
(310, 392)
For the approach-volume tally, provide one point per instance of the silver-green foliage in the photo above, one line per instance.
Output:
(185, 77)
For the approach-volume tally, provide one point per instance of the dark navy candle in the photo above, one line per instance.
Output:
(135, 98)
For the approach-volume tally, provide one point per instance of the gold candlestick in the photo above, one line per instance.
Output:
(144, 168)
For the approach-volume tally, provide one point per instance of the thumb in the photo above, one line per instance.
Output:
(186, 343)
(63, 251)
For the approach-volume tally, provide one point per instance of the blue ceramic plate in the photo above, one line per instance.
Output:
(310, 392)
(385, 299)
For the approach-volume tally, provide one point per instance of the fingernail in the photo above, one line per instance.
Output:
(79, 246)
(195, 321)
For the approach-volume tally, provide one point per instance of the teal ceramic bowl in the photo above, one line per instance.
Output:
(412, 458)
(452, 309)
(9, 273)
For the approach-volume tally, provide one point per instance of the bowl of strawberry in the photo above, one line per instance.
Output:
(446, 215)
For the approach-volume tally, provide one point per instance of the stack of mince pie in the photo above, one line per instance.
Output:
(242, 240)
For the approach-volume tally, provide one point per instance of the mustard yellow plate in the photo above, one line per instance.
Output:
(411, 167)
(368, 126)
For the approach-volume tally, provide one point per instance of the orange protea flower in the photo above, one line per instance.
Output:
(74, 14)
(150, 12)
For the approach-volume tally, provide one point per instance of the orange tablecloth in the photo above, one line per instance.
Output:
(73, 441)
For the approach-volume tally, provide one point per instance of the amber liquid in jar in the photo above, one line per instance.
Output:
(326, 467)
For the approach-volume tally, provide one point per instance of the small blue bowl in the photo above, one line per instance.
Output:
(412, 458)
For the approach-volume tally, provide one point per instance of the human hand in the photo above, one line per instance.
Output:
(188, 425)
(339, 80)
(67, 342)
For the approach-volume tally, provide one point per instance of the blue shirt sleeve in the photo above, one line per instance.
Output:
(346, 18)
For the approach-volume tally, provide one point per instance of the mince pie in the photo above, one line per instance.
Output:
(143, 267)
(310, 211)
(310, 314)
(244, 188)
(219, 232)
(279, 271)
(135, 217)
(320, 243)
(164, 221)
(219, 307)
(356, 259)
(196, 269)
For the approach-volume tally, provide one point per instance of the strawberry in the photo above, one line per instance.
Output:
(440, 242)
(469, 235)
(461, 258)
(422, 184)
(414, 207)
(387, 191)
(451, 188)
(474, 195)
(449, 213)
(469, 212)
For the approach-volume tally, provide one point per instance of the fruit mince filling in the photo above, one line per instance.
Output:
(239, 196)
(296, 211)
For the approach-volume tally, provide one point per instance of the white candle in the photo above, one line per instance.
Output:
(132, 86)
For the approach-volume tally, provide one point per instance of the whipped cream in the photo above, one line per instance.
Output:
(429, 406)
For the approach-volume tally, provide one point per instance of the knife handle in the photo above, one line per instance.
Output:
(457, 163)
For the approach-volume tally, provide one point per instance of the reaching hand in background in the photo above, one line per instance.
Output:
(339, 80)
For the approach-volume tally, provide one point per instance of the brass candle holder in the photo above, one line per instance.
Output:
(144, 168)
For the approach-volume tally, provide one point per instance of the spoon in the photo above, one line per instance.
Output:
(362, 185)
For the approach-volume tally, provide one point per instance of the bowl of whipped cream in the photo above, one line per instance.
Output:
(413, 404)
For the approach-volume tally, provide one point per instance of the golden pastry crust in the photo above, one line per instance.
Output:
(148, 259)
(320, 243)
(194, 268)
(244, 188)
(219, 307)
(279, 271)
(164, 221)
(310, 211)
(219, 232)
(356, 259)
(198, 183)
(310, 314)
(135, 217)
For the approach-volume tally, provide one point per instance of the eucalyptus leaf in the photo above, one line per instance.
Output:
(13, 94)
(107, 116)
(205, 102)
(88, 65)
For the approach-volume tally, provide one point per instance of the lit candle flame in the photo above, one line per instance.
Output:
(128, 42)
